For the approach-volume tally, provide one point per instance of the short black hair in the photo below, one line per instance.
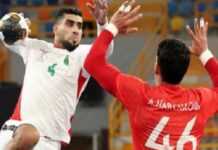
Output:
(173, 57)
(73, 10)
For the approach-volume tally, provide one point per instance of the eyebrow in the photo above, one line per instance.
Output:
(73, 21)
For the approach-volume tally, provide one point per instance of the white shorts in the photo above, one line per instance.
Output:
(43, 144)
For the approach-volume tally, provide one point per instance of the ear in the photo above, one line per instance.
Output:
(156, 68)
(55, 28)
(157, 74)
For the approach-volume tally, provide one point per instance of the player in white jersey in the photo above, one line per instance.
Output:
(53, 81)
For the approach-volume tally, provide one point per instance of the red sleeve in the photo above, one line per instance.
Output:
(97, 65)
(212, 68)
(209, 101)
(128, 89)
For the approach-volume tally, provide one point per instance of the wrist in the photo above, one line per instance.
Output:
(205, 56)
(102, 26)
(102, 22)
(112, 28)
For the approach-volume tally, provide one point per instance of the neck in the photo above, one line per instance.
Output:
(58, 45)
(158, 80)
(169, 84)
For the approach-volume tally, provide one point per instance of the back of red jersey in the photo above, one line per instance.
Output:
(166, 117)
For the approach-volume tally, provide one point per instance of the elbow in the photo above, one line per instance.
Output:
(93, 66)
(90, 65)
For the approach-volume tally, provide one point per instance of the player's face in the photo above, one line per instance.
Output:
(69, 29)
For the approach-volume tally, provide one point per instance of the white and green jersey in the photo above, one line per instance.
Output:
(50, 90)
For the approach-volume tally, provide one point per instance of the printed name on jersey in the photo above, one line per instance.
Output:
(163, 104)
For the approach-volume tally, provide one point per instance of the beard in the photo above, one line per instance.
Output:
(69, 46)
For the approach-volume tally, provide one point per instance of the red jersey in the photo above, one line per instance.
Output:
(164, 117)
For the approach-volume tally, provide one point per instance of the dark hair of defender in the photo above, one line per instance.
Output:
(173, 59)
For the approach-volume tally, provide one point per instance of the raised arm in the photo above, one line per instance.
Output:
(14, 32)
(96, 63)
(99, 10)
(24, 46)
(200, 48)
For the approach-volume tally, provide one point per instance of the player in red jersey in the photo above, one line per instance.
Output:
(165, 116)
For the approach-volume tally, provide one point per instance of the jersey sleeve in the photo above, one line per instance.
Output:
(84, 51)
(209, 101)
(21, 50)
(131, 91)
(128, 89)
(209, 96)
(24, 47)
(212, 68)
(100, 28)
(87, 48)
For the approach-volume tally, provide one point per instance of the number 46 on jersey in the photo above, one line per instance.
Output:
(184, 138)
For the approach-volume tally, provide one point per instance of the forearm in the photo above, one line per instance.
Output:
(211, 65)
(98, 67)
(106, 75)
(100, 28)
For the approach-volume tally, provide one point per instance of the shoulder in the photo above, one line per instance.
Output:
(131, 79)
(36, 43)
(200, 90)
(82, 50)
(203, 93)
(131, 83)
(84, 47)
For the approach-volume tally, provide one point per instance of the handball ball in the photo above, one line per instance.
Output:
(14, 27)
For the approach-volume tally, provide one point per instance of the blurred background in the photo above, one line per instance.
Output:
(101, 122)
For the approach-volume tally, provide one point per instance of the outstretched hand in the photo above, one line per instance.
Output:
(99, 10)
(199, 37)
(127, 14)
